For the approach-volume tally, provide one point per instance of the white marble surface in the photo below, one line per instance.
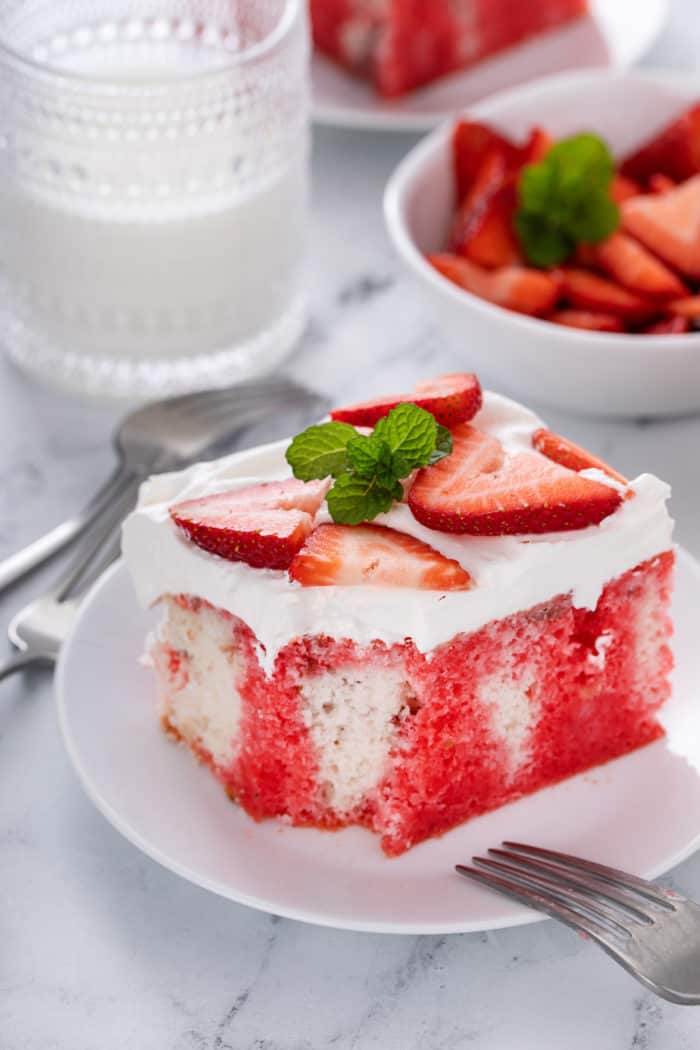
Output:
(99, 947)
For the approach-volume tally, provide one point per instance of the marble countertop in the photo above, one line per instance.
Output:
(100, 947)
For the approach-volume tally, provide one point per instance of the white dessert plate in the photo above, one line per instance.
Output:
(615, 35)
(641, 812)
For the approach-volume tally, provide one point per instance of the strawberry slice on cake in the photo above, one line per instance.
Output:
(343, 555)
(481, 491)
(567, 454)
(451, 399)
(263, 526)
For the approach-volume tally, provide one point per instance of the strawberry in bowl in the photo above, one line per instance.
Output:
(557, 232)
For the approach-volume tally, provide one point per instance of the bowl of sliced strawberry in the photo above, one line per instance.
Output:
(556, 233)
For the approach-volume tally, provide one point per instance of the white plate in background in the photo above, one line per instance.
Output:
(641, 812)
(616, 34)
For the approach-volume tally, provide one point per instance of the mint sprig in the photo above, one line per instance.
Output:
(321, 451)
(565, 200)
(368, 468)
(354, 499)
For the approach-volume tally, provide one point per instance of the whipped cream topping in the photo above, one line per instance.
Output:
(510, 573)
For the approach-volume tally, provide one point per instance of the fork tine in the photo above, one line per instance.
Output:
(92, 547)
(598, 910)
(100, 562)
(614, 876)
(540, 900)
(586, 884)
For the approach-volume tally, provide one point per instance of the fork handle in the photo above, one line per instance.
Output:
(22, 660)
(39, 551)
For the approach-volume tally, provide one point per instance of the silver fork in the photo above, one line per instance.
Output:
(163, 436)
(39, 629)
(652, 932)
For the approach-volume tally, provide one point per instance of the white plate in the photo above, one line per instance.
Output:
(616, 34)
(641, 812)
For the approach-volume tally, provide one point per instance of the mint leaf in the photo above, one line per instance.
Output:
(547, 244)
(368, 469)
(535, 187)
(565, 200)
(411, 433)
(443, 446)
(320, 451)
(353, 499)
(596, 217)
(581, 160)
(371, 457)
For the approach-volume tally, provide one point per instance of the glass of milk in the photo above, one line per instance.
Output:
(153, 190)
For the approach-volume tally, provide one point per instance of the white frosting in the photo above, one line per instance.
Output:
(510, 572)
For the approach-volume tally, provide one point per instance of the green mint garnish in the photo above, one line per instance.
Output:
(368, 468)
(320, 452)
(354, 499)
(565, 200)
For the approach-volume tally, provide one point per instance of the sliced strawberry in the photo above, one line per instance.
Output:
(587, 291)
(622, 188)
(493, 171)
(668, 326)
(471, 142)
(659, 183)
(346, 556)
(483, 226)
(675, 151)
(479, 491)
(451, 399)
(634, 267)
(537, 146)
(567, 454)
(513, 287)
(669, 225)
(264, 525)
(485, 234)
(588, 320)
(688, 308)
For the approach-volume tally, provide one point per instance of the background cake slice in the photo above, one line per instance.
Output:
(402, 44)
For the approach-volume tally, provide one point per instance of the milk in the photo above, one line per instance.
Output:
(185, 281)
(173, 231)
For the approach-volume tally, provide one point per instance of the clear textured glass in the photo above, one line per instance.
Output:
(153, 189)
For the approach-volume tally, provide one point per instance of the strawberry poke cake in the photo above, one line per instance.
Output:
(413, 613)
(402, 44)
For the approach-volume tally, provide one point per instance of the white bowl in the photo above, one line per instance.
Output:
(593, 373)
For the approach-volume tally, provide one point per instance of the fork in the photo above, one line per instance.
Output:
(162, 436)
(39, 629)
(652, 932)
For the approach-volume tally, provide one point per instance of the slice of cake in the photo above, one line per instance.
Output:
(448, 607)
(402, 44)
